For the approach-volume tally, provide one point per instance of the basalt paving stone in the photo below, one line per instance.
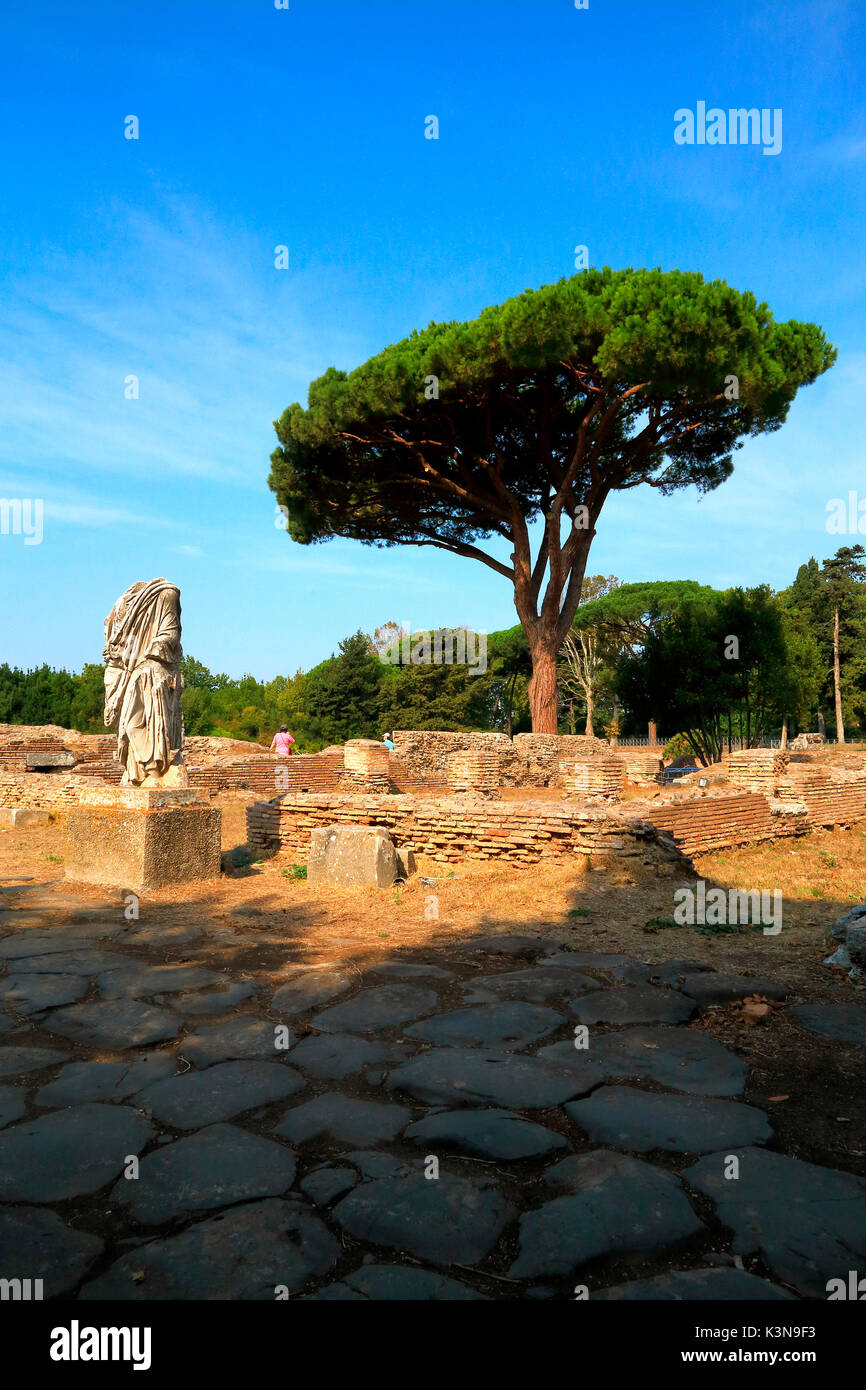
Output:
(239, 1038)
(132, 981)
(197, 1098)
(7, 1024)
(215, 1001)
(451, 1220)
(712, 987)
(15, 1060)
(487, 1133)
(82, 1081)
(343, 1118)
(678, 1057)
(807, 1223)
(615, 1206)
(633, 1004)
(397, 1283)
(373, 1009)
(215, 1167)
(409, 970)
(506, 1025)
(12, 1104)
(116, 1024)
(535, 985)
(324, 1185)
(511, 946)
(243, 1254)
(30, 994)
(84, 962)
(309, 989)
(695, 1285)
(642, 1120)
(69, 1152)
(473, 1076)
(842, 1022)
(332, 1056)
(38, 1242)
(673, 972)
(163, 934)
(617, 966)
(50, 943)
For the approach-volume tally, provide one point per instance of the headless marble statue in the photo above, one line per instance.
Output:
(143, 684)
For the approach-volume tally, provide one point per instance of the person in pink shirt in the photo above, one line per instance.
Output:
(282, 743)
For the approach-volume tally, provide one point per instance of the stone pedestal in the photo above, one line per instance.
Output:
(143, 837)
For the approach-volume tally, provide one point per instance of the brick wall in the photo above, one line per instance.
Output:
(455, 830)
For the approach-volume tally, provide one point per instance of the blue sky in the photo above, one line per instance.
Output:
(261, 127)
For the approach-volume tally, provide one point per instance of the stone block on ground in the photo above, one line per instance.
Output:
(21, 817)
(353, 856)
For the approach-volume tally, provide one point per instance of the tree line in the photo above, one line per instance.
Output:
(706, 666)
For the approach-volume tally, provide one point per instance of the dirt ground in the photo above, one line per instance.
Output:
(811, 1087)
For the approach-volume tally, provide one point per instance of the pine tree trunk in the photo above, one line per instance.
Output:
(784, 739)
(543, 699)
(837, 689)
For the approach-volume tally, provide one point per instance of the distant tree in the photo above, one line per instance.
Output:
(537, 411)
(341, 696)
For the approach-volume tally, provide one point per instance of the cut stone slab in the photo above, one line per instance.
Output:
(842, 1022)
(468, 1075)
(76, 962)
(389, 1006)
(695, 1285)
(16, 1060)
(12, 1104)
(332, 1056)
(673, 972)
(626, 1118)
(197, 1098)
(243, 1254)
(215, 1167)
(712, 987)
(116, 1024)
(633, 1004)
(506, 1025)
(82, 1081)
(37, 1241)
(677, 1057)
(494, 1134)
(343, 1118)
(536, 985)
(616, 1206)
(446, 1220)
(241, 1037)
(69, 1152)
(30, 994)
(352, 856)
(308, 990)
(410, 970)
(22, 818)
(215, 1001)
(324, 1185)
(807, 1223)
(132, 981)
(398, 1283)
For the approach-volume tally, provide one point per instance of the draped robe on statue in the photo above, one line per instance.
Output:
(143, 683)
